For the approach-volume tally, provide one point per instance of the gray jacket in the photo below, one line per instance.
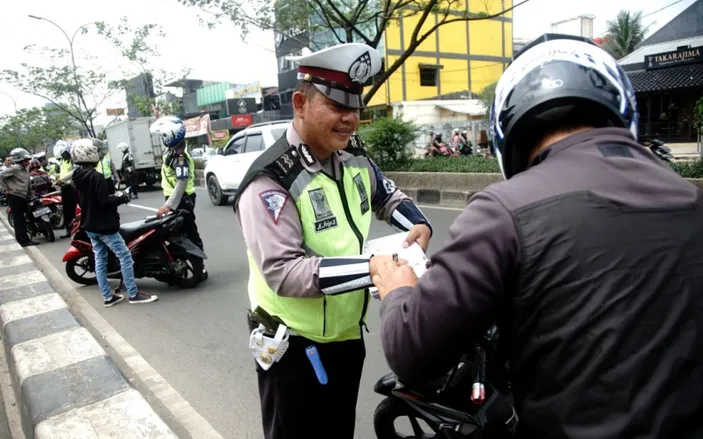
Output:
(14, 180)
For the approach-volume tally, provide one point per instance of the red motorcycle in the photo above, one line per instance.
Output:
(54, 202)
(159, 250)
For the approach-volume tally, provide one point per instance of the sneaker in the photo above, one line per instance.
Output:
(114, 300)
(143, 298)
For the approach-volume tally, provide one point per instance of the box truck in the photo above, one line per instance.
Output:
(145, 147)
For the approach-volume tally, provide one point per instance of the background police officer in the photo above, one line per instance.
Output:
(62, 150)
(107, 168)
(305, 208)
(589, 258)
(178, 175)
(15, 183)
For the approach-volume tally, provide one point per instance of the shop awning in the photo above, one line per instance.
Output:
(671, 78)
(471, 107)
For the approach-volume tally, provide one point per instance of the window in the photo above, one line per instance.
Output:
(255, 143)
(429, 75)
(236, 146)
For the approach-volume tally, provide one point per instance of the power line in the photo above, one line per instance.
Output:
(658, 10)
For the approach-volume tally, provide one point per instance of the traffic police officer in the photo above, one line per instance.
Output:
(305, 208)
(588, 257)
(107, 168)
(178, 175)
(62, 150)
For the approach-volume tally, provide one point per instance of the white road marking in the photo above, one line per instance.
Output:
(139, 206)
(425, 206)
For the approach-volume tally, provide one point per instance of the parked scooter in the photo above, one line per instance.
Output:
(659, 149)
(472, 401)
(54, 202)
(159, 250)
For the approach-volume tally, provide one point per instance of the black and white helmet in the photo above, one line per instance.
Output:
(19, 155)
(557, 81)
(87, 151)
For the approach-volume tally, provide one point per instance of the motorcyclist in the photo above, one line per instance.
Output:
(41, 157)
(68, 195)
(14, 180)
(40, 182)
(588, 258)
(178, 175)
(129, 176)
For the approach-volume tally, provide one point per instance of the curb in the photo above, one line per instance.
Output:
(65, 384)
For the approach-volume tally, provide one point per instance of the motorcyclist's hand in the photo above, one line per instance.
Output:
(163, 211)
(388, 275)
(419, 233)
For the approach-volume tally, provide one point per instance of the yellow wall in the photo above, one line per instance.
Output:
(485, 40)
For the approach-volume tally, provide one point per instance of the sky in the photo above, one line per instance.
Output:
(220, 54)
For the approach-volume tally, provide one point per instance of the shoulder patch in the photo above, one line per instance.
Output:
(274, 200)
(287, 160)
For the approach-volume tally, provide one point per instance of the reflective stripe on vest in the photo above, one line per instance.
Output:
(104, 166)
(168, 176)
(327, 231)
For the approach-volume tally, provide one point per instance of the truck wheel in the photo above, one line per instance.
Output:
(215, 192)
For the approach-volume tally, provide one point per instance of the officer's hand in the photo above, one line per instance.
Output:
(163, 211)
(419, 233)
(388, 275)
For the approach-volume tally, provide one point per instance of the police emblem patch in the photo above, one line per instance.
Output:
(360, 69)
(324, 217)
(274, 200)
(362, 193)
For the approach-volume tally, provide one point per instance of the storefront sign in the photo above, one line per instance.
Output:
(243, 120)
(251, 90)
(197, 126)
(689, 55)
(219, 135)
(241, 106)
(115, 111)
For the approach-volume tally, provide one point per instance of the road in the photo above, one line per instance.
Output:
(196, 339)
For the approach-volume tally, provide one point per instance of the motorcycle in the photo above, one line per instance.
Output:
(54, 202)
(471, 401)
(659, 149)
(38, 219)
(158, 247)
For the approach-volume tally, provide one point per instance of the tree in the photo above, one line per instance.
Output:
(324, 22)
(487, 95)
(624, 33)
(134, 44)
(387, 140)
(35, 128)
(63, 77)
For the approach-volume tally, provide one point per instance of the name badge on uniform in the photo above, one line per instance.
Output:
(362, 193)
(181, 168)
(324, 218)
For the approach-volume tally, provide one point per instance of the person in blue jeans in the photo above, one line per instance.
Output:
(101, 221)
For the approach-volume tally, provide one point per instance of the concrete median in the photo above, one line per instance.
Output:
(65, 384)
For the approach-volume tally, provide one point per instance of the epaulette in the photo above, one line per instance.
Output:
(286, 167)
(356, 146)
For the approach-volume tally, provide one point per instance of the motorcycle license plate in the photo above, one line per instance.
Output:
(43, 211)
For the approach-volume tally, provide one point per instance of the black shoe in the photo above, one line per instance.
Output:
(114, 300)
(29, 244)
(67, 235)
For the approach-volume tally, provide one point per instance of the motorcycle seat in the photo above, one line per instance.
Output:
(133, 229)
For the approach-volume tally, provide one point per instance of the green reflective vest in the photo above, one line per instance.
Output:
(104, 166)
(65, 168)
(335, 218)
(168, 175)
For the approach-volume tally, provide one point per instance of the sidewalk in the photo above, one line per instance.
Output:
(4, 424)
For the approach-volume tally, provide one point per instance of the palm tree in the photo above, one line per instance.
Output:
(625, 33)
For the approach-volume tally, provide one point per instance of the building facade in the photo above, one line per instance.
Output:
(141, 86)
(666, 72)
(463, 56)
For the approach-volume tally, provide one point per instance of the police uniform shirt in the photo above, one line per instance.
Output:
(273, 232)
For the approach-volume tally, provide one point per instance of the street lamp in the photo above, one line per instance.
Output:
(14, 100)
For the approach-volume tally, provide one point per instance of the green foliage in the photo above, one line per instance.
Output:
(625, 33)
(487, 95)
(387, 140)
(473, 164)
(698, 114)
(34, 128)
(690, 169)
(321, 23)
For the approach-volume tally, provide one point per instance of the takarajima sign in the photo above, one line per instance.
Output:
(687, 55)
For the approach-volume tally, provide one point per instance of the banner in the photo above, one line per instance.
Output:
(220, 135)
(197, 126)
(115, 111)
(251, 90)
(243, 120)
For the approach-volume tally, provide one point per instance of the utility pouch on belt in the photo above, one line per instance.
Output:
(267, 349)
